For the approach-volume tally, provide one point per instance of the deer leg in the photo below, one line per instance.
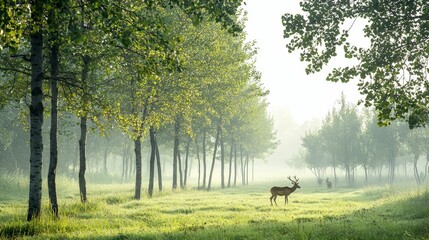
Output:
(271, 200)
(275, 197)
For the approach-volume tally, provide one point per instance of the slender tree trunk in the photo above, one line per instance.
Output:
(138, 152)
(158, 164)
(235, 165)
(138, 149)
(175, 152)
(105, 158)
(83, 130)
(179, 159)
(199, 161)
(82, 159)
(365, 167)
(186, 162)
(191, 163)
(54, 126)
(243, 174)
(253, 169)
(152, 161)
(214, 156)
(36, 113)
(132, 165)
(230, 162)
(204, 160)
(416, 171)
(124, 163)
(247, 168)
(222, 161)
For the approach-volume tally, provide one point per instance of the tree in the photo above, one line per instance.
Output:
(387, 143)
(348, 127)
(392, 71)
(315, 156)
(417, 144)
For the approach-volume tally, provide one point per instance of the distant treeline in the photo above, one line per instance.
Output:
(350, 140)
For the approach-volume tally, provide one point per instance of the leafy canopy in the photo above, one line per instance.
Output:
(392, 71)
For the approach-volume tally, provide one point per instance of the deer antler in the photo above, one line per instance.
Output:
(293, 181)
(296, 179)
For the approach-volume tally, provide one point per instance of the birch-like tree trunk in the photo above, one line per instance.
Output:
(222, 161)
(230, 161)
(83, 131)
(158, 164)
(82, 159)
(175, 153)
(53, 160)
(204, 160)
(152, 160)
(36, 112)
(214, 156)
(199, 162)
(186, 162)
(138, 152)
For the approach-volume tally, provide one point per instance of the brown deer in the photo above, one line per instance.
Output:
(328, 183)
(284, 191)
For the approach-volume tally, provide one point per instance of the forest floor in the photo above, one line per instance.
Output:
(245, 212)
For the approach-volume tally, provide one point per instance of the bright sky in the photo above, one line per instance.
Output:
(305, 96)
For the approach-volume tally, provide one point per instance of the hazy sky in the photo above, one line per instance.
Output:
(297, 100)
(305, 96)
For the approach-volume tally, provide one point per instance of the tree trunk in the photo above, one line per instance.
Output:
(158, 164)
(243, 174)
(214, 156)
(204, 160)
(179, 159)
(253, 169)
(36, 113)
(124, 162)
(105, 157)
(82, 142)
(426, 170)
(138, 149)
(199, 161)
(247, 168)
(82, 159)
(230, 162)
(175, 152)
(365, 168)
(235, 165)
(54, 127)
(138, 152)
(152, 161)
(222, 161)
(186, 162)
(416, 171)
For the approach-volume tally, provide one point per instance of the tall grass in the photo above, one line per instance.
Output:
(236, 213)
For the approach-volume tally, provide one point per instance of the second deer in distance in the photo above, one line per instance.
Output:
(284, 191)
(328, 183)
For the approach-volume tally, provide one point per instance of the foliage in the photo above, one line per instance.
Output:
(392, 71)
(349, 139)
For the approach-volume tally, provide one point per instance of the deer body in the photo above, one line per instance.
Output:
(283, 191)
(328, 183)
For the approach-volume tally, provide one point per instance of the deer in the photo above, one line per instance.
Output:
(328, 183)
(283, 191)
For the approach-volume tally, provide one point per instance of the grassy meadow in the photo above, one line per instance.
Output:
(236, 213)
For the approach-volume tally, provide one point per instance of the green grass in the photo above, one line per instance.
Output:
(237, 213)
